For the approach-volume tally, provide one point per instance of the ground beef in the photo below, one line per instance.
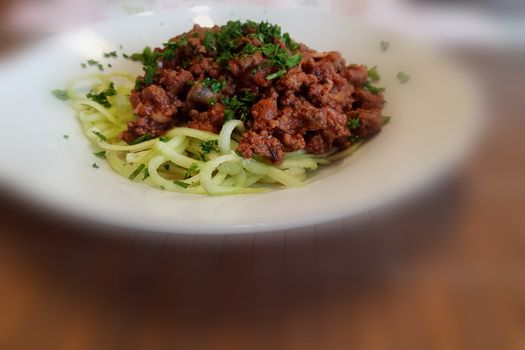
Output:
(306, 107)
(211, 120)
(370, 121)
(155, 103)
(263, 113)
(356, 74)
(263, 144)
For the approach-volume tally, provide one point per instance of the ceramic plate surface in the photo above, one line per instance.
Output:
(434, 119)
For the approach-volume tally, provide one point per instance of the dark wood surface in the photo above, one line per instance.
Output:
(444, 270)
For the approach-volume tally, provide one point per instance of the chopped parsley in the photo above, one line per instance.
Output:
(386, 120)
(373, 74)
(137, 171)
(354, 123)
(65, 136)
(210, 43)
(83, 65)
(192, 171)
(95, 63)
(100, 136)
(101, 154)
(147, 56)
(162, 188)
(174, 45)
(110, 54)
(209, 146)
(353, 138)
(146, 174)
(140, 139)
(277, 74)
(373, 89)
(227, 43)
(249, 49)
(149, 59)
(292, 45)
(61, 94)
(280, 58)
(373, 77)
(238, 107)
(384, 45)
(214, 85)
(403, 77)
(164, 139)
(181, 184)
(95, 165)
(102, 98)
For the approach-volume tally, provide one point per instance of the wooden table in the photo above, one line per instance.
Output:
(444, 270)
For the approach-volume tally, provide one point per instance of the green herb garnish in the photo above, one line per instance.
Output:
(147, 56)
(353, 139)
(209, 146)
(386, 120)
(61, 94)
(279, 57)
(277, 74)
(174, 45)
(238, 107)
(353, 123)
(181, 184)
(100, 136)
(210, 42)
(373, 74)
(95, 165)
(373, 89)
(111, 54)
(102, 98)
(192, 171)
(95, 63)
(65, 136)
(403, 77)
(149, 59)
(384, 45)
(164, 139)
(101, 154)
(137, 171)
(292, 45)
(214, 85)
(146, 174)
(140, 139)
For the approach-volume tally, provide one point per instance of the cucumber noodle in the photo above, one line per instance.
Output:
(184, 160)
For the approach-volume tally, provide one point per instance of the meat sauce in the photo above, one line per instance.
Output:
(289, 96)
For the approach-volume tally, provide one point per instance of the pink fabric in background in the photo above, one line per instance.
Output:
(57, 15)
(446, 24)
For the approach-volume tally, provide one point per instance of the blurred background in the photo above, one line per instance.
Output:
(444, 270)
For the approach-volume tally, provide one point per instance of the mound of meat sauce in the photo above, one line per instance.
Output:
(319, 105)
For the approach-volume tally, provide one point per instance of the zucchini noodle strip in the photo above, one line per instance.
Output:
(225, 136)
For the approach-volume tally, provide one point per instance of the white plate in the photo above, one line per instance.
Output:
(434, 118)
